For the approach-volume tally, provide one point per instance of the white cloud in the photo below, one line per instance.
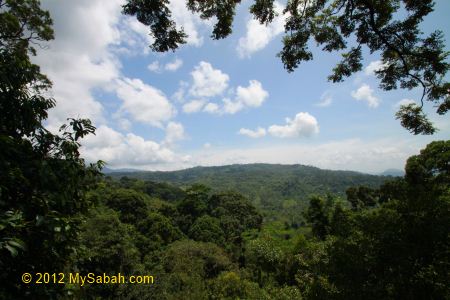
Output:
(121, 151)
(253, 95)
(350, 154)
(143, 102)
(179, 94)
(231, 107)
(154, 66)
(193, 106)
(259, 132)
(124, 124)
(174, 133)
(174, 65)
(303, 124)
(258, 36)
(211, 108)
(128, 150)
(207, 81)
(190, 22)
(79, 60)
(170, 66)
(404, 102)
(325, 100)
(365, 93)
(374, 66)
(135, 38)
(90, 36)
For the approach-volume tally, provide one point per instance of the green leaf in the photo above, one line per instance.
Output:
(12, 250)
(17, 243)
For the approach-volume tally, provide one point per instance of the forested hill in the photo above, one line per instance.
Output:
(264, 183)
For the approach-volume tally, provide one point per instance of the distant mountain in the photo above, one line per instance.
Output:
(265, 184)
(393, 172)
(107, 170)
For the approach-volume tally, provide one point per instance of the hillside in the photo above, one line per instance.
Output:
(267, 185)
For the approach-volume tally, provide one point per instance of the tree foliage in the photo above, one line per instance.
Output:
(398, 246)
(43, 179)
(409, 59)
(157, 16)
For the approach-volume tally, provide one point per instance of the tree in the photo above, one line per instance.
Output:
(193, 206)
(318, 216)
(229, 285)
(207, 229)
(159, 231)
(130, 204)
(43, 179)
(398, 249)
(409, 60)
(361, 196)
(263, 257)
(106, 246)
(187, 266)
(231, 207)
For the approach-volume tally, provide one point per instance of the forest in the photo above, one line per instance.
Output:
(384, 242)
(254, 231)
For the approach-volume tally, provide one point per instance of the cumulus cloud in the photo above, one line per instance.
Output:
(90, 36)
(365, 93)
(79, 60)
(154, 66)
(143, 102)
(191, 23)
(180, 93)
(135, 37)
(84, 60)
(170, 66)
(404, 102)
(129, 150)
(207, 81)
(174, 133)
(174, 65)
(231, 107)
(211, 108)
(374, 66)
(258, 36)
(325, 100)
(259, 132)
(124, 124)
(303, 125)
(193, 106)
(251, 96)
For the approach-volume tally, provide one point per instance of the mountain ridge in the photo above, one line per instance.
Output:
(267, 185)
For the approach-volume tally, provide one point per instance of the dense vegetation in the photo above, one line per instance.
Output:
(389, 242)
(274, 189)
(43, 179)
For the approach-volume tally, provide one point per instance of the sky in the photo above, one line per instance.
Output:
(220, 102)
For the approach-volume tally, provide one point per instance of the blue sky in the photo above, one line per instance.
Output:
(220, 102)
